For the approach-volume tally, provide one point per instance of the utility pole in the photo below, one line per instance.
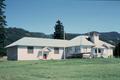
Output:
(118, 46)
(64, 46)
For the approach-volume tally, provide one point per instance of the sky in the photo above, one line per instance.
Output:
(77, 16)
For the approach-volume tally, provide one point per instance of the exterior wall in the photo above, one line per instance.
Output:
(24, 55)
(76, 50)
(108, 53)
(69, 50)
(52, 55)
(105, 52)
(12, 53)
(85, 49)
(21, 52)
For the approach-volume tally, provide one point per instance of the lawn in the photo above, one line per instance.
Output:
(73, 69)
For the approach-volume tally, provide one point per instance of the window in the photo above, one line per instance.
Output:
(77, 49)
(70, 48)
(30, 49)
(56, 50)
(95, 50)
(67, 49)
(39, 53)
(99, 50)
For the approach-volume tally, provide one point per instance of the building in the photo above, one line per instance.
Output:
(89, 46)
(29, 48)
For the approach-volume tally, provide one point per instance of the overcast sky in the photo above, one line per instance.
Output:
(77, 16)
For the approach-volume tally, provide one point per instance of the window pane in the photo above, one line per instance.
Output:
(40, 53)
(77, 49)
(95, 50)
(56, 50)
(30, 49)
(99, 50)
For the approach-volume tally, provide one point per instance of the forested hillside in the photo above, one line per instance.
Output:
(14, 34)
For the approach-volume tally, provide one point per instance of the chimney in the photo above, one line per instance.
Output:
(94, 37)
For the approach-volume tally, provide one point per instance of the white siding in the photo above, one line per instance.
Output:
(55, 56)
(108, 53)
(105, 52)
(24, 55)
(85, 49)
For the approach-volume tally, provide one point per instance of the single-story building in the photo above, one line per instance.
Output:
(29, 48)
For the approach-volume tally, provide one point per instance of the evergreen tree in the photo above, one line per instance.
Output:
(2, 29)
(59, 30)
(117, 50)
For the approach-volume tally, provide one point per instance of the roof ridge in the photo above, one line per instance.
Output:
(44, 38)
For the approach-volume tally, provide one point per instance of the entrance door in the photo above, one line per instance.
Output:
(44, 56)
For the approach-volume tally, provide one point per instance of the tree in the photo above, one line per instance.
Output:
(117, 50)
(2, 28)
(59, 30)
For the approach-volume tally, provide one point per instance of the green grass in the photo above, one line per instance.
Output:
(73, 69)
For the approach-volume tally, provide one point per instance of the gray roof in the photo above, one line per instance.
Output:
(30, 41)
(80, 40)
(77, 41)
(102, 44)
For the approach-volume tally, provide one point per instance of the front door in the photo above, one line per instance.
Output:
(44, 56)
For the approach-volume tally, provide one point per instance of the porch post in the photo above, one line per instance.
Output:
(97, 51)
(64, 47)
(42, 53)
